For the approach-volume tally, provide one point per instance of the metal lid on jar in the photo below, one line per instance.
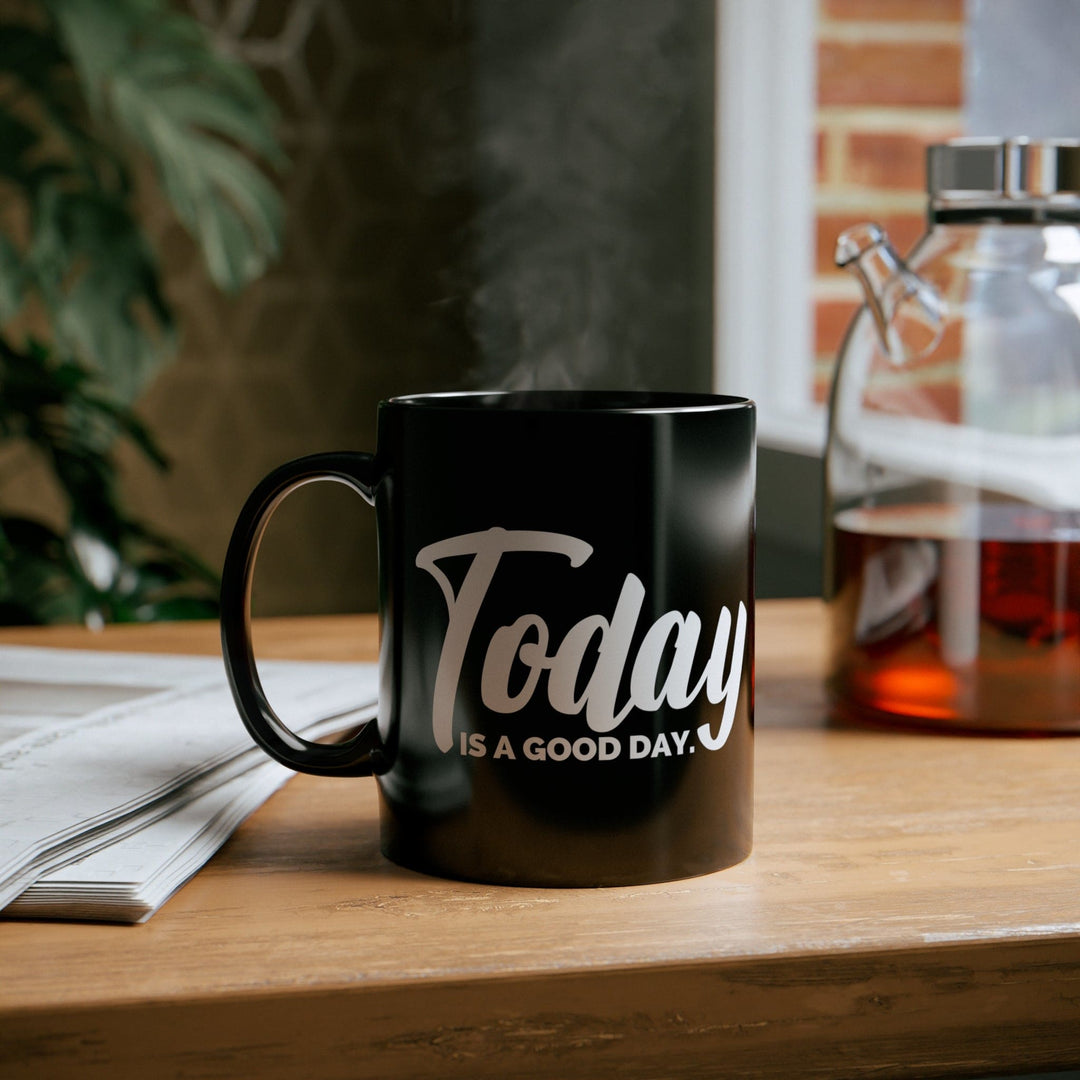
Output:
(965, 174)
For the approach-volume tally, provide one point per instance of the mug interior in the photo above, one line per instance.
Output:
(573, 401)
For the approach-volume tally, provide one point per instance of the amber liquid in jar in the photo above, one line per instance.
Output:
(965, 618)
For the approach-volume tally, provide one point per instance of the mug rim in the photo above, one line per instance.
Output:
(572, 401)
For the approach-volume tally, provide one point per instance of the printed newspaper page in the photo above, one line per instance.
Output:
(96, 747)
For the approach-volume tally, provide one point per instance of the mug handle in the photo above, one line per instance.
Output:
(349, 758)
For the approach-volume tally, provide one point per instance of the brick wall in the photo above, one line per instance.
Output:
(890, 82)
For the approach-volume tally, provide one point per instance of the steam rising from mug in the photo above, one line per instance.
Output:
(591, 241)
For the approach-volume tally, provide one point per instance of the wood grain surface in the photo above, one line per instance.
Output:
(911, 908)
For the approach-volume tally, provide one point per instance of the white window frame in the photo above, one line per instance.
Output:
(764, 255)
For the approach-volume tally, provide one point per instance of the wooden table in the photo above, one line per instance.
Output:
(912, 908)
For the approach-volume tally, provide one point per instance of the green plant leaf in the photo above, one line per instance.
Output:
(128, 423)
(34, 59)
(62, 412)
(29, 54)
(199, 115)
(16, 138)
(202, 106)
(100, 282)
(11, 280)
(96, 37)
(39, 583)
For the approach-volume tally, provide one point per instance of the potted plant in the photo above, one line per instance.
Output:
(89, 91)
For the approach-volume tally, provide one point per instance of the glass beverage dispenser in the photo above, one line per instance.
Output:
(953, 460)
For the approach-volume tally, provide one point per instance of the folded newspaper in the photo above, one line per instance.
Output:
(122, 773)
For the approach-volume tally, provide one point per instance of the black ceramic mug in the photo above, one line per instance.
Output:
(567, 627)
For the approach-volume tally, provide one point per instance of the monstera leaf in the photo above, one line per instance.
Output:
(111, 81)
(110, 313)
(151, 74)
